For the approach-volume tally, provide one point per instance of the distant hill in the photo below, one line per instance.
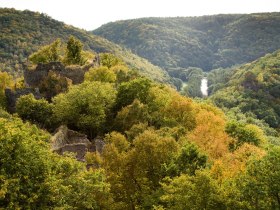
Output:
(23, 32)
(252, 90)
(207, 42)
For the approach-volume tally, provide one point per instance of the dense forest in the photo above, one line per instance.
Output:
(160, 149)
(23, 32)
(206, 42)
(251, 92)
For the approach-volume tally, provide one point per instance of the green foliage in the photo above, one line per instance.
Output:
(134, 89)
(124, 74)
(190, 159)
(36, 111)
(5, 81)
(218, 78)
(135, 168)
(4, 114)
(192, 77)
(85, 106)
(32, 177)
(73, 52)
(159, 158)
(130, 115)
(88, 190)
(24, 32)
(245, 133)
(207, 42)
(259, 186)
(251, 91)
(102, 74)
(192, 192)
(109, 60)
(47, 53)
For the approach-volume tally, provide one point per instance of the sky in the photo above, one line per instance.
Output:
(91, 14)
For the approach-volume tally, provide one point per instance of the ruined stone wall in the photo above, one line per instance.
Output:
(76, 73)
(66, 140)
(33, 78)
(13, 95)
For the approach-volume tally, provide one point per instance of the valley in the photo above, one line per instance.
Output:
(151, 113)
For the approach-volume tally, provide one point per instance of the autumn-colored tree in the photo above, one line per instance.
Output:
(179, 112)
(136, 169)
(232, 164)
(209, 133)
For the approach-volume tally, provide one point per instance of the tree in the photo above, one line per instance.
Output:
(259, 185)
(102, 74)
(179, 112)
(131, 115)
(36, 111)
(134, 89)
(33, 177)
(190, 159)
(123, 73)
(6, 80)
(209, 133)
(109, 60)
(46, 54)
(85, 106)
(192, 192)
(73, 52)
(88, 190)
(245, 133)
(135, 169)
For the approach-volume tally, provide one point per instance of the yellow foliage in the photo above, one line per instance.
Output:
(6, 80)
(209, 134)
(93, 158)
(230, 165)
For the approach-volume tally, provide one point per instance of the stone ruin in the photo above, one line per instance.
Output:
(33, 78)
(75, 73)
(66, 140)
(12, 96)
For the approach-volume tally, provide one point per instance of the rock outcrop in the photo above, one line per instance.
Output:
(66, 140)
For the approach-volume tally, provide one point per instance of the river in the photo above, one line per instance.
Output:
(204, 87)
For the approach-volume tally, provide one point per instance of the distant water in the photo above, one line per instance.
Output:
(204, 87)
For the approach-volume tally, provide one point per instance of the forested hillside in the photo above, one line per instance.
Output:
(252, 90)
(88, 133)
(23, 32)
(160, 151)
(207, 42)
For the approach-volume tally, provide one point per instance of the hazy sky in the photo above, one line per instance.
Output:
(90, 14)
